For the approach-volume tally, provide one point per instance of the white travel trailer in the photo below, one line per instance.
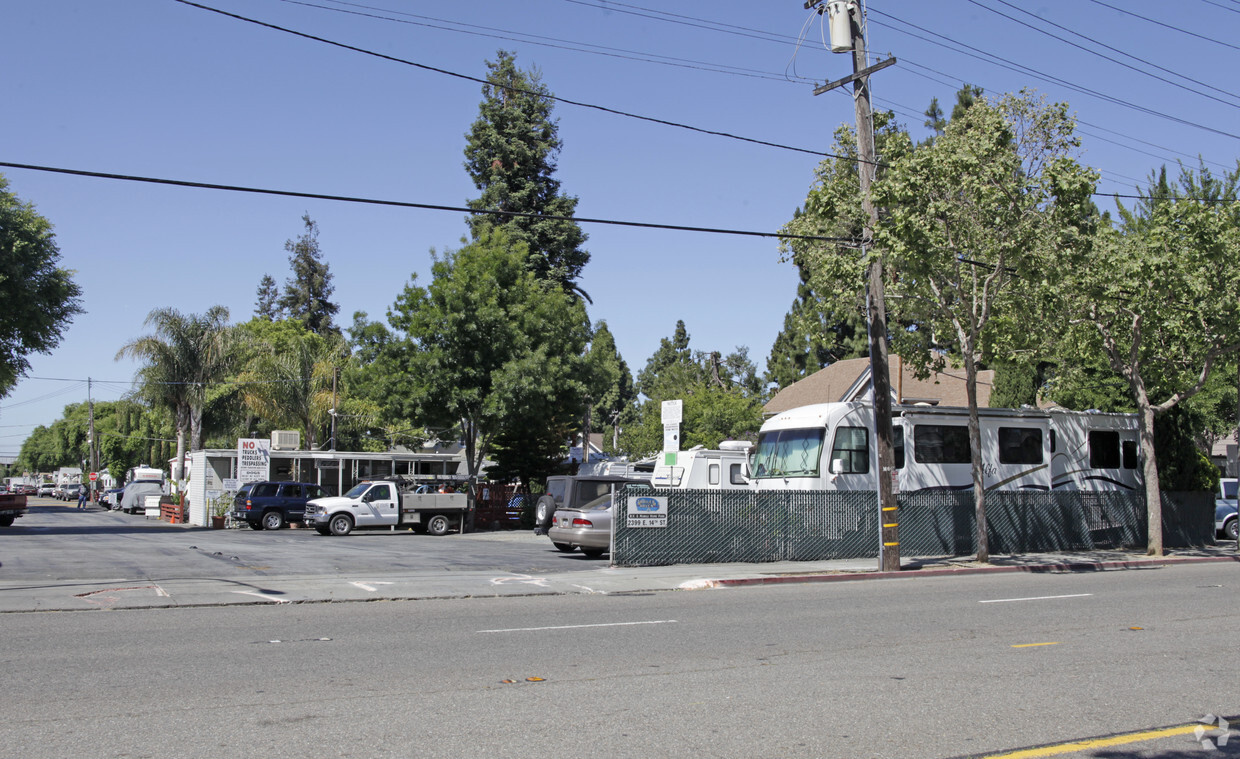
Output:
(830, 446)
(725, 468)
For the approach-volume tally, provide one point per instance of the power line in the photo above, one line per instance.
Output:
(1040, 30)
(1022, 69)
(407, 204)
(541, 40)
(478, 80)
(1220, 5)
(1164, 24)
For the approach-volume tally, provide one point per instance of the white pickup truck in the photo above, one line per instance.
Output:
(1225, 519)
(388, 503)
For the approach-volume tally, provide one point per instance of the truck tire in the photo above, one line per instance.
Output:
(6, 520)
(340, 524)
(1231, 528)
(273, 520)
(438, 525)
(543, 511)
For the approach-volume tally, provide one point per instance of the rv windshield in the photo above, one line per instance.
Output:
(788, 453)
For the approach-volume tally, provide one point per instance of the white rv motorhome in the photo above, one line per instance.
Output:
(830, 446)
(725, 468)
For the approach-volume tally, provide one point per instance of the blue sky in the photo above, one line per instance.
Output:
(160, 89)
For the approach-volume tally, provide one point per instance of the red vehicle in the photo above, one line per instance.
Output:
(12, 506)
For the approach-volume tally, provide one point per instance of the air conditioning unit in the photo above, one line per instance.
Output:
(285, 440)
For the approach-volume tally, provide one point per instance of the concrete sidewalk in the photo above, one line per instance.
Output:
(344, 587)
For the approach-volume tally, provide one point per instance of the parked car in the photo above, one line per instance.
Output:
(271, 505)
(573, 492)
(47, 489)
(1225, 521)
(110, 497)
(587, 527)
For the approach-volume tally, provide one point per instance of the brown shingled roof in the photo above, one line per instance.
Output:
(839, 382)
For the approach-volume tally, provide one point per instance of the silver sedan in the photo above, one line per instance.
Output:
(587, 528)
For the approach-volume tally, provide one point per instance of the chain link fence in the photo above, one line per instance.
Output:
(711, 526)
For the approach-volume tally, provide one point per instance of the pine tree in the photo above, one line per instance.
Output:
(307, 293)
(510, 156)
(265, 305)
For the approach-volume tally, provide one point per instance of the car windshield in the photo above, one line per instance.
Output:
(357, 490)
(788, 453)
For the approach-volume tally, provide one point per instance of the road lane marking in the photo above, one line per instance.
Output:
(1085, 745)
(581, 627)
(1034, 598)
(1032, 645)
(370, 586)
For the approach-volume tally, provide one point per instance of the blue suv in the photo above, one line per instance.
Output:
(271, 505)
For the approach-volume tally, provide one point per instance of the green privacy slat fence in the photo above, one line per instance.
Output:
(709, 526)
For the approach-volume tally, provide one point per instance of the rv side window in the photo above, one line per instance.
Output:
(712, 474)
(1020, 445)
(941, 444)
(1103, 449)
(789, 453)
(736, 475)
(897, 444)
(1129, 451)
(852, 448)
(1053, 441)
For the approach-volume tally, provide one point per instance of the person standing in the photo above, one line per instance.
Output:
(82, 496)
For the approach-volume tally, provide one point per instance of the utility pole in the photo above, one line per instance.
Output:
(90, 439)
(845, 19)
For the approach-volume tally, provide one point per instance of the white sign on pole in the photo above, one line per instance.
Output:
(671, 437)
(647, 511)
(253, 459)
(673, 412)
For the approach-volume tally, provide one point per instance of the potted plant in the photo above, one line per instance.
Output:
(219, 508)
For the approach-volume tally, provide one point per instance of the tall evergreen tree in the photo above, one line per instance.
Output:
(265, 304)
(611, 383)
(511, 157)
(307, 294)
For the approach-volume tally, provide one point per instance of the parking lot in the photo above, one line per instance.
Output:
(56, 542)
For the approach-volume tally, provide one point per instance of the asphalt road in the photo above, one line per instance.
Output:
(918, 667)
(55, 541)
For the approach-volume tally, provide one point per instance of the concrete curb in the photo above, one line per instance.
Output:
(1066, 567)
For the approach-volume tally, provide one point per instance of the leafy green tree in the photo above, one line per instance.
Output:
(511, 157)
(307, 294)
(488, 348)
(1165, 341)
(722, 397)
(40, 298)
(185, 355)
(967, 215)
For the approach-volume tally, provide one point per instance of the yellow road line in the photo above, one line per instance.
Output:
(1031, 645)
(1085, 745)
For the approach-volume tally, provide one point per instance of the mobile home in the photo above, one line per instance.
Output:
(830, 446)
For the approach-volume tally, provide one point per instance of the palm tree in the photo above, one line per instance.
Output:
(186, 353)
(291, 386)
